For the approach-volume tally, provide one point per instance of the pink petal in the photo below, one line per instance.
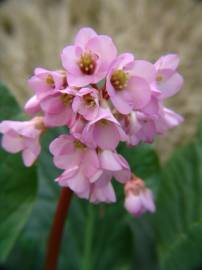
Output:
(79, 183)
(63, 142)
(56, 120)
(140, 91)
(103, 193)
(133, 204)
(104, 48)
(123, 106)
(80, 80)
(67, 161)
(122, 176)
(52, 104)
(70, 56)
(147, 200)
(109, 161)
(12, 144)
(170, 61)
(145, 70)
(83, 36)
(29, 156)
(106, 137)
(32, 106)
(90, 163)
(38, 85)
(171, 86)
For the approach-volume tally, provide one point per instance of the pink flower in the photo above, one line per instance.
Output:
(79, 162)
(139, 199)
(104, 131)
(23, 136)
(88, 60)
(88, 172)
(131, 126)
(57, 107)
(32, 106)
(168, 80)
(127, 87)
(149, 127)
(86, 103)
(77, 126)
(44, 81)
(111, 165)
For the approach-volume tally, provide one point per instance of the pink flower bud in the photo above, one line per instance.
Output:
(139, 199)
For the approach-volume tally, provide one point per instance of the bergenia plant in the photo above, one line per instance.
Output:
(104, 98)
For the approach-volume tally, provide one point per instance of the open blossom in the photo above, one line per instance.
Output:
(86, 103)
(88, 60)
(168, 80)
(23, 136)
(138, 198)
(103, 98)
(43, 81)
(127, 89)
(57, 107)
(104, 131)
(88, 172)
(156, 126)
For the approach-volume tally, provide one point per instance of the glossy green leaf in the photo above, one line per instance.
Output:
(179, 217)
(18, 185)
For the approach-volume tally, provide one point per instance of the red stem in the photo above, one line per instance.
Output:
(57, 229)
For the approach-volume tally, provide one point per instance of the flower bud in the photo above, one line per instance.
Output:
(138, 198)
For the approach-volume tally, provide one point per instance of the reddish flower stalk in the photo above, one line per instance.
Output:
(57, 229)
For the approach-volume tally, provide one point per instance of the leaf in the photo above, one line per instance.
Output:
(178, 221)
(8, 105)
(18, 185)
(143, 159)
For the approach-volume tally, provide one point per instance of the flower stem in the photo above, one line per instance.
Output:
(87, 256)
(57, 229)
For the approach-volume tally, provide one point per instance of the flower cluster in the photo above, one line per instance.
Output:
(103, 98)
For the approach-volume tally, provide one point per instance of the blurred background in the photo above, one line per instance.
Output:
(33, 33)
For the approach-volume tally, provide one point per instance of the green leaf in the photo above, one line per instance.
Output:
(142, 159)
(178, 220)
(18, 185)
(17, 194)
(8, 105)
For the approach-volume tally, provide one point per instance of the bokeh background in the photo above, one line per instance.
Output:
(33, 33)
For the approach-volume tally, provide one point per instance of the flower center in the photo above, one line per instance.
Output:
(159, 78)
(66, 99)
(119, 79)
(87, 63)
(89, 101)
(49, 80)
(39, 123)
(64, 75)
(79, 145)
(104, 122)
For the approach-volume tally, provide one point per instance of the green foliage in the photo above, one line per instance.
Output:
(178, 220)
(18, 185)
(8, 105)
